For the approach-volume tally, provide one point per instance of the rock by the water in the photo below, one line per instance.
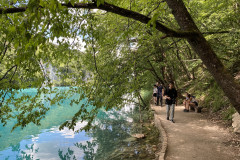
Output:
(236, 122)
(139, 136)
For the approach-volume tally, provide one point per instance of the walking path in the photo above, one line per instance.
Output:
(193, 137)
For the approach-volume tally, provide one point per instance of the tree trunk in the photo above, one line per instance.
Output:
(200, 45)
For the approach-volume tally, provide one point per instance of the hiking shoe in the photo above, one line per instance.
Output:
(172, 121)
(167, 118)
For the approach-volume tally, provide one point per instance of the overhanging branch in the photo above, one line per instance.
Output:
(117, 10)
(4, 76)
(12, 10)
(218, 32)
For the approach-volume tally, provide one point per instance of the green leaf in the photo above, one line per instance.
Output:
(99, 2)
(153, 20)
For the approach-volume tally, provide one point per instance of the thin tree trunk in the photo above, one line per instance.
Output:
(183, 66)
(155, 73)
(181, 62)
(144, 104)
(200, 45)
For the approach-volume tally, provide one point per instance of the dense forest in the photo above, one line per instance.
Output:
(113, 51)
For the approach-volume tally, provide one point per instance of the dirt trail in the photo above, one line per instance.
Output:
(193, 137)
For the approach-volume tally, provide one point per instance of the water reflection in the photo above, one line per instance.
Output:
(50, 144)
(112, 134)
(110, 139)
(88, 149)
(68, 155)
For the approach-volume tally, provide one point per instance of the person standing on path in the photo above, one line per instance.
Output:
(155, 91)
(170, 94)
(159, 94)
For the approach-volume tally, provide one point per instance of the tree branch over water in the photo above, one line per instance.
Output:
(117, 10)
(8, 72)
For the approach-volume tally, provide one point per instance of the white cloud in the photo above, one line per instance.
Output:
(47, 146)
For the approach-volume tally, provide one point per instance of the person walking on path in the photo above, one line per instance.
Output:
(159, 94)
(170, 94)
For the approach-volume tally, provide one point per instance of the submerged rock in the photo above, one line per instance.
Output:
(139, 136)
(236, 122)
(129, 139)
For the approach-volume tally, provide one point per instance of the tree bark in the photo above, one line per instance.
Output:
(200, 45)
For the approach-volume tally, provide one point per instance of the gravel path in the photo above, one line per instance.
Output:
(193, 137)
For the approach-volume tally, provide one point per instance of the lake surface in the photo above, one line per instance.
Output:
(110, 139)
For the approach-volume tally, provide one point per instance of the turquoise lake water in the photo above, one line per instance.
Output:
(48, 142)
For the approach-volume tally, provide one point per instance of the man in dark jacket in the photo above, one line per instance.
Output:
(170, 94)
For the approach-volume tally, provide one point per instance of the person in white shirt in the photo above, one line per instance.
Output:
(155, 91)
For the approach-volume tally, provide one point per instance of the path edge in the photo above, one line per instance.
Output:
(163, 135)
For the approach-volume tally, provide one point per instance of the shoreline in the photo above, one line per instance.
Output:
(162, 137)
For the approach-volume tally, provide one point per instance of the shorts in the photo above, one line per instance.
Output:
(154, 94)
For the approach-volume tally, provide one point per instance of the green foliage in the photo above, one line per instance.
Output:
(120, 58)
(99, 2)
(215, 98)
(227, 115)
(146, 95)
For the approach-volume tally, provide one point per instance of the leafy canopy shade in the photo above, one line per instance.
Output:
(127, 46)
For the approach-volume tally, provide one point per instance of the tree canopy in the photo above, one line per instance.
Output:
(112, 49)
